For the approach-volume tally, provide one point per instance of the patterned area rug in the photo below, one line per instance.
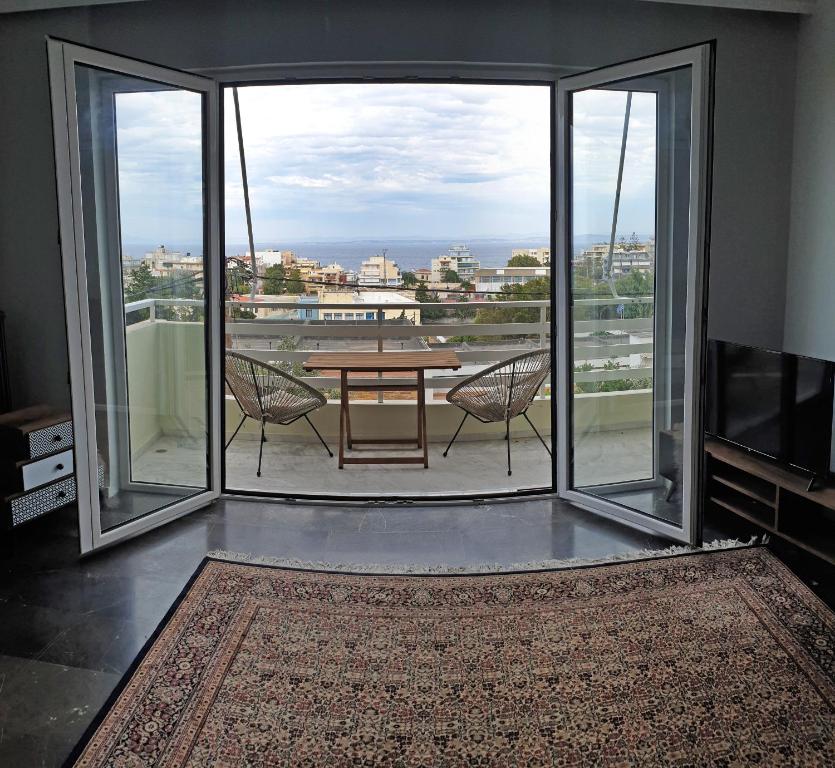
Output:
(722, 658)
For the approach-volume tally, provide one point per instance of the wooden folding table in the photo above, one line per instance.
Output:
(381, 362)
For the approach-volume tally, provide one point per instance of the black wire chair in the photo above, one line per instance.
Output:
(502, 392)
(270, 396)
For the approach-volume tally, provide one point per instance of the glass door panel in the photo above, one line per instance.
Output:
(138, 278)
(633, 191)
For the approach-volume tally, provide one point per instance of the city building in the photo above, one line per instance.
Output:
(331, 274)
(489, 280)
(310, 271)
(636, 258)
(459, 259)
(164, 263)
(271, 256)
(307, 306)
(287, 311)
(542, 255)
(379, 271)
(444, 290)
(624, 262)
(357, 305)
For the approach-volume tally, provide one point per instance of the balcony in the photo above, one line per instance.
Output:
(167, 408)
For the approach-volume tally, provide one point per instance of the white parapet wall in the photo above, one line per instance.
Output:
(166, 381)
(167, 378)
(609, 411)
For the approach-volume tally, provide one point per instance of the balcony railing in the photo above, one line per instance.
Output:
(269, 338)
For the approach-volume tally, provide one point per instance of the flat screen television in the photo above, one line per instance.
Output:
(775, 404)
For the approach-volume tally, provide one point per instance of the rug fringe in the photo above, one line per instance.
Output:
(474, 568)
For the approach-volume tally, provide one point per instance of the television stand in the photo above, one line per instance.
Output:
(782, 502)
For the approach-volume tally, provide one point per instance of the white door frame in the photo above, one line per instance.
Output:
(699, 59)
(63, 56)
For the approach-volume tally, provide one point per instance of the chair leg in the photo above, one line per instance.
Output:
(237, 429)
(321, 439)
(545, 445)
(456, 433)
(261, 448)
(509, 471)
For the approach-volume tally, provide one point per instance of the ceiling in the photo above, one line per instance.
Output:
(779, 6)
(16, 6)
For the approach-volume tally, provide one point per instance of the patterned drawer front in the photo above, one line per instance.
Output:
(50, 439)
(32, 505)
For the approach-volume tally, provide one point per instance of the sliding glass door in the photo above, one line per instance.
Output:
(632, 181)
(136, 161)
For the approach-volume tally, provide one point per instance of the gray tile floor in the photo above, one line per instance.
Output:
(472, 467)
(71, 627)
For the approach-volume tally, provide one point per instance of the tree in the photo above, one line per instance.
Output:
(538, 289)
(294, 282)
(636, 284)
(238, 279)
(409, 279)
(140, 286)
(424, 297)
(450, 276)
(141, 283)
(239, 313)
(421, 294)
(523, 260)
(180, 285)
(274, 282)
(462, 313)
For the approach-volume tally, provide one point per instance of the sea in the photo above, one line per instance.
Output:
(407, 254)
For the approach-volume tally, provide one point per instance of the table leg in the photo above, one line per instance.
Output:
(419, 419)
(422, 417)
(348, 414)
(343, 407)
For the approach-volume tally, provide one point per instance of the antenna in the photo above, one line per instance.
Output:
(254, 285)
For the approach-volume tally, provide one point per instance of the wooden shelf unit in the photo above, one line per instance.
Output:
(772, 497)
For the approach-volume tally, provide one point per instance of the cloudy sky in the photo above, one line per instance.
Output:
(159, 140)
(363, 161)
(596, 143)
(383, 160)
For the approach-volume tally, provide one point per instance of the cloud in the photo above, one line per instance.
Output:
(378, 160)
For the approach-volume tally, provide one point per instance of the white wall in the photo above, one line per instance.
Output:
(810, 292)
(754, 102)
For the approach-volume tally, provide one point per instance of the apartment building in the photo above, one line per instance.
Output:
(379, 271)
(459, 259)
(489, 280)
(362, 305)
(164, 263)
